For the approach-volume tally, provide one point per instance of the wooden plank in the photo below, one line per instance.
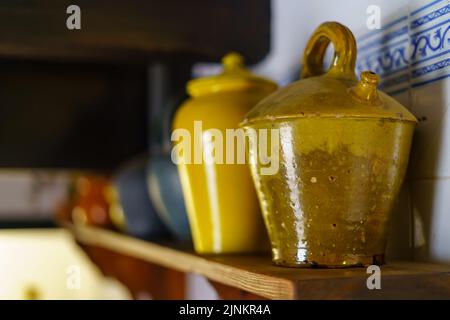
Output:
(257, 275)
(229, 293)
(136, 29)
(187, 261)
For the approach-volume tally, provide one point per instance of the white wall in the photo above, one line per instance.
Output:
(295, 20)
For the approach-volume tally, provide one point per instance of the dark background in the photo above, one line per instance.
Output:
(83, 98)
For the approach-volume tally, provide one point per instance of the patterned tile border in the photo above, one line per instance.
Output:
(411, 50)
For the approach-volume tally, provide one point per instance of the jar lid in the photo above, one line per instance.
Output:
(327, 97)
(233, 77)
(335, 93)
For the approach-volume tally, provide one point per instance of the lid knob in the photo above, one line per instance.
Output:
(370, 78)
(233, 60)
(366, 89)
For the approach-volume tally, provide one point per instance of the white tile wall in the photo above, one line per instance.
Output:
(293, 21)
(401, 242)
(431, 152)
(432, 219)
(430, 62)
(430, 99)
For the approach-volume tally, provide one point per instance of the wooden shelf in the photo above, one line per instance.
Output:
(256, 275)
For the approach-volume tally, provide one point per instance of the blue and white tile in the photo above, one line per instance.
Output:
(429, 37)
(386, 51)
(430, 86)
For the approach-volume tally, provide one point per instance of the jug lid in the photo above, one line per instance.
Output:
(233, 77)
(334, 94)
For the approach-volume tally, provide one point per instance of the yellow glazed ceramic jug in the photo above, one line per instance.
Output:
(343, 151)
(220, 198)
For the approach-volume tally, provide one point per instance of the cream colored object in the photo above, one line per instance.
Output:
(47, 264)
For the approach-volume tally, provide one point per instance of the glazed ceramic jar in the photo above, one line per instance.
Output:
(343, 152)
(220, 198)
(140, 217)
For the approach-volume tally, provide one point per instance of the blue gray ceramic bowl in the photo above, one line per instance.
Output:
(140, 215)
(165, 191)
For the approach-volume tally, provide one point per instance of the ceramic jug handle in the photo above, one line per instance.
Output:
(343, 64)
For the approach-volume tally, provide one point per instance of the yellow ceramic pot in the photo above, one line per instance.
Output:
(220, 198)
(343, 151)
